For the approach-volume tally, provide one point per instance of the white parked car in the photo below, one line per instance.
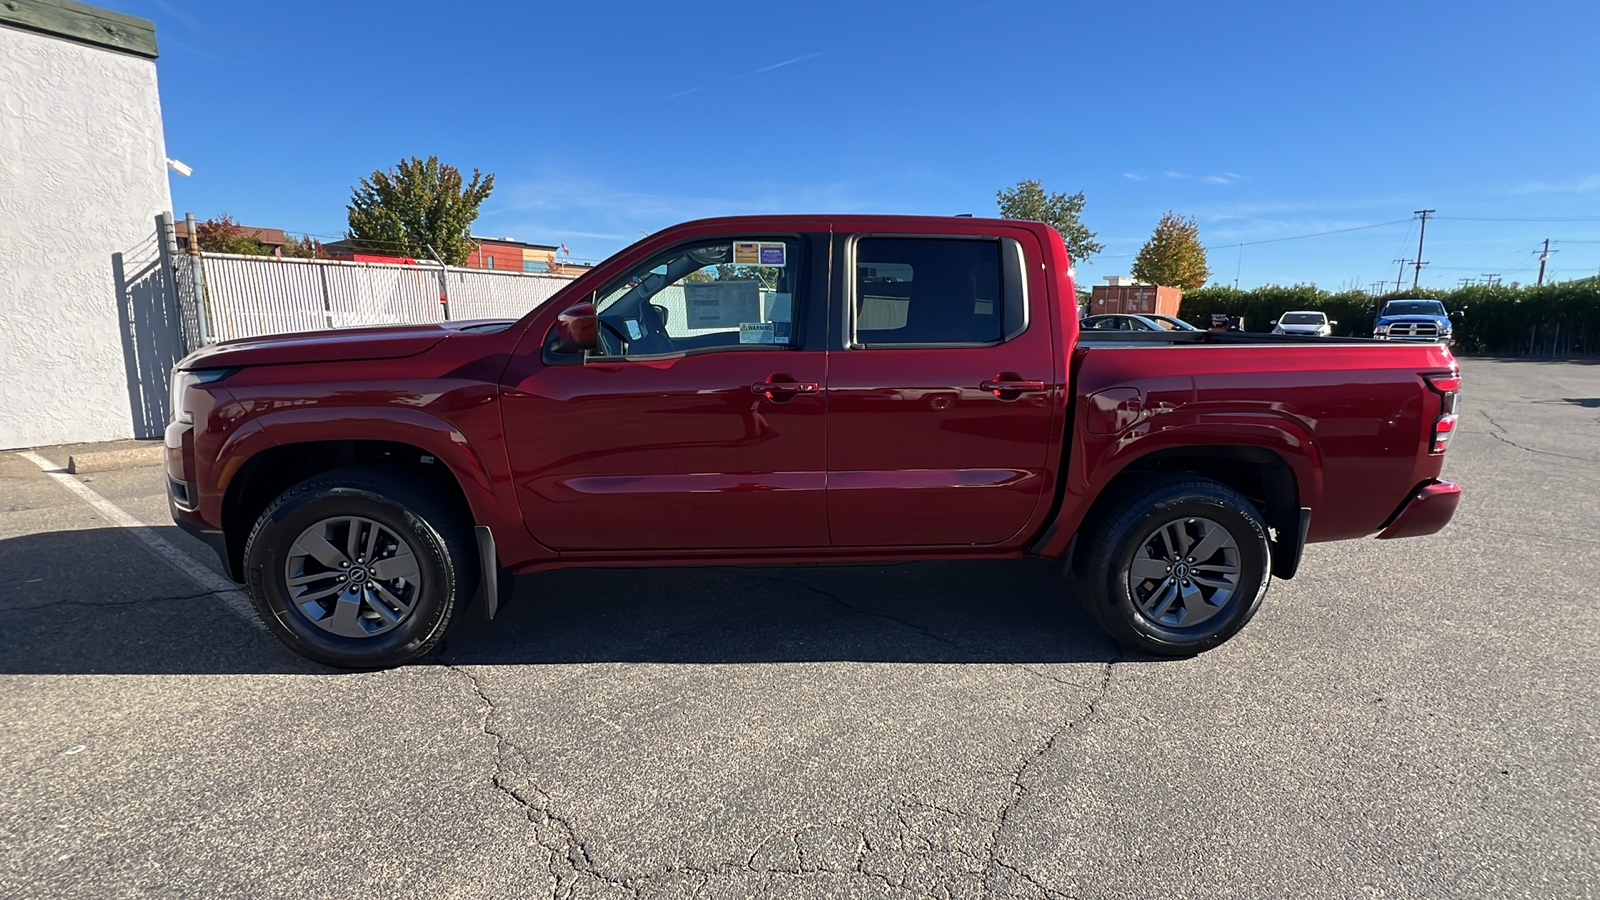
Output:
(1304, 322)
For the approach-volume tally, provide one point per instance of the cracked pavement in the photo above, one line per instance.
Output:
(1404, 719)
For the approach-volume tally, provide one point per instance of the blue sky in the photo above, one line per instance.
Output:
(602, 120)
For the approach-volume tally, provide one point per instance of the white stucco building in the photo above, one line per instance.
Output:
(82, 177)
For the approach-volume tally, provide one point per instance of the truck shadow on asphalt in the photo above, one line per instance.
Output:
(128, 613)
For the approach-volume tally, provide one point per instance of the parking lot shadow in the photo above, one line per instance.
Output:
(97, 602)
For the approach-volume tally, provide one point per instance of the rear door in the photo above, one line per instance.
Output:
(940, 390)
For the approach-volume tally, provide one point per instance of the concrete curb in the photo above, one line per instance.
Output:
(107, 460)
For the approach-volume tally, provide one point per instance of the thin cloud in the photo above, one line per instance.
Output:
(1224, 178)
(1173, 175)
(787, 62)
(1582, 185)
(1134, 176)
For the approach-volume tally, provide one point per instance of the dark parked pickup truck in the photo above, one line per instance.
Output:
(782, 389)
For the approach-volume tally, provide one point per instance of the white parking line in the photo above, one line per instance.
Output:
(225, 590)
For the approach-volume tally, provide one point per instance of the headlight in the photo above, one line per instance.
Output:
(1381, 329)
(182, 381)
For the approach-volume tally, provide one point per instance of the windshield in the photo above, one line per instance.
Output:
(1172, 324)
(1303, 318)
(1414, 308)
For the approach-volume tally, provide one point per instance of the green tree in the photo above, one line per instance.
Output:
(420, 203)
(1173, 257)
(223, 235)
(1027, 200)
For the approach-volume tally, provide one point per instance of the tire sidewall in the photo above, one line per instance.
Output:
(265, 577)
(1255, 563)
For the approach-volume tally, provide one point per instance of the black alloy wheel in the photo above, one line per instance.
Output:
(1178, 565)
(360, 568)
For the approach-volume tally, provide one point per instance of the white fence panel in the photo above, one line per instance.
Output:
(481, 294)
(248, 296)
(361, 294)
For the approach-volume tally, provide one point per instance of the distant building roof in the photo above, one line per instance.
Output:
(272, 237)
(511, 242)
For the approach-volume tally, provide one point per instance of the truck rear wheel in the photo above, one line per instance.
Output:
(358, 568)
(1177, 567)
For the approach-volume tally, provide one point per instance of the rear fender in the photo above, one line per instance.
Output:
(1098, 459)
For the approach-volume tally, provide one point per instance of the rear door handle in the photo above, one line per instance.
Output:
(769, 388)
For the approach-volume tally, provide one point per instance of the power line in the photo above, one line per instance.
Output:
(1488, 219)
(1298, 237)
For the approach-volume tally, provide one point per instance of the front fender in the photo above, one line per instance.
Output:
(485, 487)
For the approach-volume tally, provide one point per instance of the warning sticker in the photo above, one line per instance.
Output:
(746, 253)
(773, 255)
(755, 333)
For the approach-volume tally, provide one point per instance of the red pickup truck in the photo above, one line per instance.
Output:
(784, 389)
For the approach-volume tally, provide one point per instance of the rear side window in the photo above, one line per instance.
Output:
(936, 291)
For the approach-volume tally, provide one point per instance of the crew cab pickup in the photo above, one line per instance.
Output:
(785, 389)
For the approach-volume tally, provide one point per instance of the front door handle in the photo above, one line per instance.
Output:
(1010, 384)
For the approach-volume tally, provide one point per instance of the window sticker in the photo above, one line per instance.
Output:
(777, 307)
(774, 255)
(634, 331)
(746, 253)
(722, 304)
(756, 333)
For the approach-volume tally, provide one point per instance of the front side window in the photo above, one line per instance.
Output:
(729, 294)
(933, 291)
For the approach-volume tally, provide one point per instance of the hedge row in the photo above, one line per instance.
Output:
(1554, 320)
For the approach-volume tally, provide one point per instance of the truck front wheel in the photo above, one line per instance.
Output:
(1177, 567)
(358, 568)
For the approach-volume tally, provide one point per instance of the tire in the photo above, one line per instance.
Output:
(383, 611)
(1203, 606)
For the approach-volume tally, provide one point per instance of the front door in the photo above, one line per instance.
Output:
(942, 401)
(698, 423)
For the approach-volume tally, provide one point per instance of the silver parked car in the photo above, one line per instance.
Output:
(1305, 322)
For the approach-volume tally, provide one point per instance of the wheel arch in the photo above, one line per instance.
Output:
(1262, 474)
(261, 477)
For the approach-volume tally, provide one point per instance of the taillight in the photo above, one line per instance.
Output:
(1448, 387)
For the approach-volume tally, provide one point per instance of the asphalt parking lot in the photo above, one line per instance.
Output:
(1411, 718)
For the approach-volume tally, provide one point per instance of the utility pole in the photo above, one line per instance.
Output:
(1418, 263)
(1544, 256)
(1378, 286)
(1468, 282)
(1491, 278)
(1239, 268)
(1399, 280)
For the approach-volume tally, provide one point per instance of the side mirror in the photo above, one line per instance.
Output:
(1273, 322)
(577, 329)
(1333, 321)
(1457, 314)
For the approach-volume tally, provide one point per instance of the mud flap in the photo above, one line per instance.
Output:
(1286, 555)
